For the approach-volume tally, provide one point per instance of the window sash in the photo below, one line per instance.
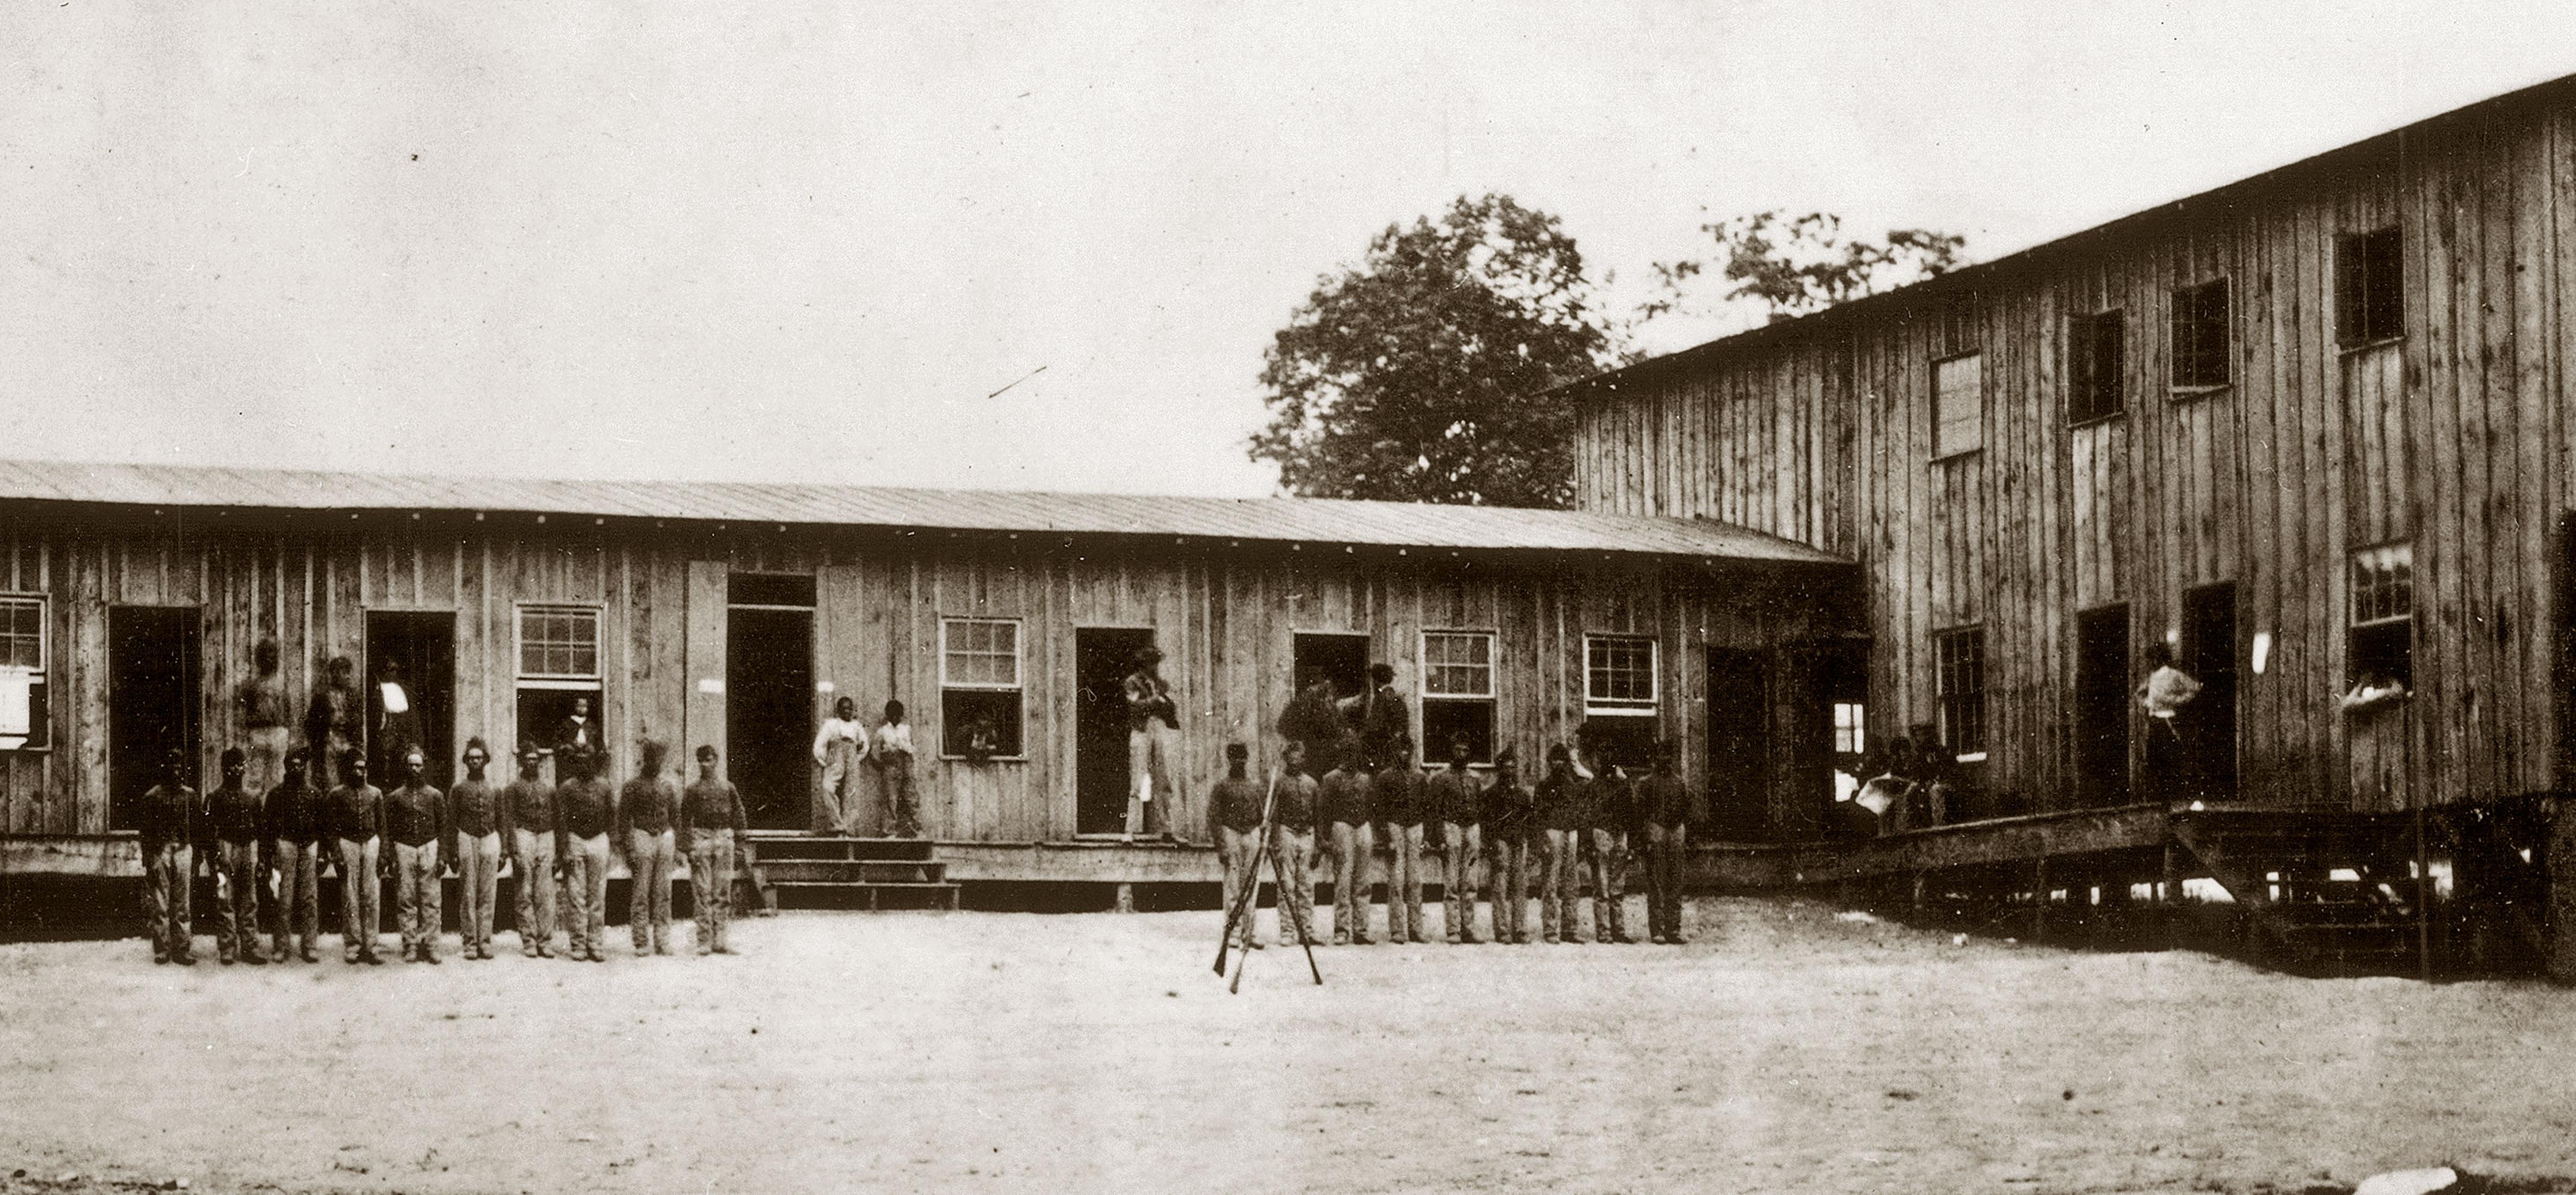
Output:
(1958, 404)
(23, 628)
(2098, 371)
(979, 653)
(1457, 665)
(551, 646)
(2202, 335)
(2383, 584)
(1959, 674)
(1851, 727)
(1612, 668)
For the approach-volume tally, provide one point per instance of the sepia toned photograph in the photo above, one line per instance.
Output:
(1093, 597)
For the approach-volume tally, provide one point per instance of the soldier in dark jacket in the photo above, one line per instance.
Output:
(232, 829)
(1344, 811)
(1292, 842)
(356, 816)
(1614, 816)
(1398, 789)
(169, 826)
(1379, 716)
(1565, 812)
(1663, 804)
(1510, 819)
(297, 827)
(1454, 798)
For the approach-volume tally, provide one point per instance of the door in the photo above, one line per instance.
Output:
(416, 651)
(154, 699)
(1102, 657)
(1740, 767)
(2209, 655)
(769, 713)
(2102, 706)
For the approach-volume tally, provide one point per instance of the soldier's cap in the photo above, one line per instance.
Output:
(531, 752)
(706, 751)
(233, 757)
(1382, 673)
(1559, 752)
(1237, 751)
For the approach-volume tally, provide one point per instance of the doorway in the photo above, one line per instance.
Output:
(1340, 658)
(2102, 706)
(420, 648)
(1102, 657)
(769, 713)
(2209, 655)
(154, 665)
(1739, 744)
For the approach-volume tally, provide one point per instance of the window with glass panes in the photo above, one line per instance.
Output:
(1618, 674)
(558, 643)
(2383, 613)
(979, 687)
(1457, 693)
(22, 646)
(1959, 671)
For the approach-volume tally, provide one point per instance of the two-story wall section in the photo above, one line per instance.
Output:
(2309, 428)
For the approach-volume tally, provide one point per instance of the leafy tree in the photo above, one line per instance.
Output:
(1800, 265)
(1417, 375)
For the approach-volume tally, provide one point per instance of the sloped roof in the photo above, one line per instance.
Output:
(1308, 520)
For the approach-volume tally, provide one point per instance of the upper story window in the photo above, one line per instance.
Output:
(1959, 674)
(1618, 674)
(1959, 405)
(2201, 332)
(2383, 614)
(559, 643)
(24, 713)
(2370, 294)
(2096, 358)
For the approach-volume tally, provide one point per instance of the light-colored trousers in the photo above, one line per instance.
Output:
(1404, 883)
(416, 895)
(1459, 846)
(1293, 847)
(535, 867)
(838, 812)
(1507, 880)
(1609, 885)
(1149, 778)
(711, 885)
(237, 900)
(1351, 848)
(167, 877)
(1556, 884)
(586, 890)
(478, 886)
(649, 860)
(1234, 850)
(298, 900)
(361, 892)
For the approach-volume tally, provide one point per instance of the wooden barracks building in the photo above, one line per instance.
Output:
(2305, 427)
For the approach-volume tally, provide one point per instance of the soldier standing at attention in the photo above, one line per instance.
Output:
(1345, 809)
(474, 810)
(1511, 823)
(232, 823)
(648, 811)
(1453, 796)
(331, 718)
(1614, 815)
(296, 822)
(528, 835)
(416, 819)
(1663, 803)
(1153, 726)
(712, 819)
(1398, 789)
(169, 826)
(1234, 817)
(584, 812)
(261, 702)
(1564, 812)
(1292, 842)
(357, 817)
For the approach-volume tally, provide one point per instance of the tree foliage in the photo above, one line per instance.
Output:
(1418, 375)
(1798, 265)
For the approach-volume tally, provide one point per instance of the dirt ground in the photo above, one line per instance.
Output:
(1785, 1049)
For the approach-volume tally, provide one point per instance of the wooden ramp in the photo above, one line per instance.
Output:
(805, 871)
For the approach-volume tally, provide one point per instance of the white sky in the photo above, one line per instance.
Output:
(805, 239)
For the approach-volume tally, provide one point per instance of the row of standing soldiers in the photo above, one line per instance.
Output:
(1577, 823)
(555, 838)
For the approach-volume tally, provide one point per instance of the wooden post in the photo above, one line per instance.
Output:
(2039, 901)
(1922, 881)
(2423, 900)
(2169, 900)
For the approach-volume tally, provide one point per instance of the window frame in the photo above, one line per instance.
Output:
(1856, 732)
(595, 680)
(2175, 358)
(1952, 703)
(1624, 707)
(40, 712)
(1019, 688)
(2357, 629)
(1942, 451)
(2355, 329)
(1490, 700)
(2087, 383)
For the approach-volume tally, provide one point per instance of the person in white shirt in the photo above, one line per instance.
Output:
(837, 750)
(890, 753)
(2163, 694)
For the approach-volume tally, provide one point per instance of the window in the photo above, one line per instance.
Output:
(1618, 674)
(1959, 660)
(2370, 295)
(2383, 613)
(1851, 728)
(979, 688)
(2200, 335)
(2096, 353)
(24, 726)
(1457, 693)
(559, 644)
(1959, 403)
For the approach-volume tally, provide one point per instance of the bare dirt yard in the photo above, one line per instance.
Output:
(1783, 1050)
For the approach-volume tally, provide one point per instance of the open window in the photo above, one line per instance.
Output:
(2370, 294)
(2201, 336)
(25, 719)
(559, 679)
(1959, 660)
(2096, 358)
(1457, 693)
(2383, 615)
(979, 688)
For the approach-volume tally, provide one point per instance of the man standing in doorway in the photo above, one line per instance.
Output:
(297, 825)
(647, 820)
(474, 811)
(397, 714)
(1511, 826)
(1292, 821)
(838, 747)
(261, 703)
(528, 834)
(1234, 817)
(1663, 802)
(1311, 720)
(712, 820)
(232, 823)
(416, 819)
(1153, 725)
(1453, 797)
(169, 826)
(2163, 695)
(1345, 812)
(331, 718)
(357, 816)
(1398, 789)
(1380, 717)
(584, 813)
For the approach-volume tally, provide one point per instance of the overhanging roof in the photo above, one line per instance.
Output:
(1307, 520)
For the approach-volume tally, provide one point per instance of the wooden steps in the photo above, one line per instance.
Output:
(2282, 867)
(806, 871)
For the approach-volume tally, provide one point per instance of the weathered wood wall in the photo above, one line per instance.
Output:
(2456, 437)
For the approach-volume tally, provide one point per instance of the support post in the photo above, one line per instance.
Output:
(2169, 900)
(2423, 900)
(2039, 901)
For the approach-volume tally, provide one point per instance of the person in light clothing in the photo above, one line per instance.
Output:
(1344, 808)
(2163, 695)
(838, 747)
(712, 820)
(585, 811)
(416, 820)
(1292, 841)
(1234, 816)
(890, 756)
(528, 835)
(1153, 731)
(474, 814)
(357, 817)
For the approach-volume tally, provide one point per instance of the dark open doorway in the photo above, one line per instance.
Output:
(154, 663)
(769, 713)
(1343, 659)
(421, 649)
(1102, 657)
(2209, 655)
(1739, 744)
(2102, 705)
